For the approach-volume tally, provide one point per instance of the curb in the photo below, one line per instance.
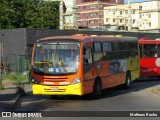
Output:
(156, 91)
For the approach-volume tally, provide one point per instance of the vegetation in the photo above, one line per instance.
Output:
(14, 79)
(29, 14)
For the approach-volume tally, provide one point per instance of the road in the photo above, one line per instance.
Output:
(138, 98)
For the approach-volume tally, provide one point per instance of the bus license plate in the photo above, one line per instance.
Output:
(54, 88)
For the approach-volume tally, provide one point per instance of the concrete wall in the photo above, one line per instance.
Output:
(15, 40)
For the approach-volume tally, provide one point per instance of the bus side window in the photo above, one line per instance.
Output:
(97, 54)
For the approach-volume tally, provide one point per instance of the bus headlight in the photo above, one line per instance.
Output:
(76, 80)
(35, 81)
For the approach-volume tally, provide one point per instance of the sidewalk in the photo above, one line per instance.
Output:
(9, 96)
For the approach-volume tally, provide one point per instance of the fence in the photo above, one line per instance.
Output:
(15, 64)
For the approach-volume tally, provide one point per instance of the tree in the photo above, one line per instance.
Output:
(29, 14)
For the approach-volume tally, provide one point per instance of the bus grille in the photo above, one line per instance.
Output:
(55, 79)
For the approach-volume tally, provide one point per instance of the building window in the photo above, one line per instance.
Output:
(93, 14)
(133, 21)
(78, 7)
(126, 12)
(100, 21)
(106, 19)
(149, 23)
(92, 21)
(140, 25)
(140, 16)
(134, 11)
(100, 13)
(140, 7)
(78, 15)
(100, 6)
(120, 12)
(120, 20)
(149, 15)
(93, 6)
(84, 7)
(113, 19)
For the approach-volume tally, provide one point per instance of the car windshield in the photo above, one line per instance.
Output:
(56, 58)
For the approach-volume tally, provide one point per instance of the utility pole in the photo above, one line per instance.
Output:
(74, 14)
(129, 15)
(61, 21)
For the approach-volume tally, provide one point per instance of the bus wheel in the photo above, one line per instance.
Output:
(97, 89)
(128, 81)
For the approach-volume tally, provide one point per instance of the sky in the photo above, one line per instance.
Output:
(126, 1)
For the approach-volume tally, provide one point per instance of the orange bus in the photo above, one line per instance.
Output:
(82, 64)
(149, 57)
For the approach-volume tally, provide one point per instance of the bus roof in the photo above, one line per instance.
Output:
(81, 37)
(149, 41)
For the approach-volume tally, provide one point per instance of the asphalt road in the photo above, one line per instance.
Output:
(138, 98)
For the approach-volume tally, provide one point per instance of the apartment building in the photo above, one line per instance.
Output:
(90, 12)
(117, 15)
(149, 15)
(144, 16)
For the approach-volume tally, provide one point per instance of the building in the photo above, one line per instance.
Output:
(150, 15)
(70, 15)
(144, 16)
(117, 15)
(90, 12)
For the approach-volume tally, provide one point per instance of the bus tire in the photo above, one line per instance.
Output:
(97, 91)
(128, 81)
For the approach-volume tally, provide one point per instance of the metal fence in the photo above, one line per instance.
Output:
(13, 63)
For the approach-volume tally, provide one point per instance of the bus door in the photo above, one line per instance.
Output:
(150, 61)
(88, 68)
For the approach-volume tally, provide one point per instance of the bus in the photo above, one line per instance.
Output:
(149, 57)
(81, 64)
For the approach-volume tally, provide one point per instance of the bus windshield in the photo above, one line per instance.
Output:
(56, 57)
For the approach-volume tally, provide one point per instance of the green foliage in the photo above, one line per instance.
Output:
(28, 14)
(15, 77)
(1, 87)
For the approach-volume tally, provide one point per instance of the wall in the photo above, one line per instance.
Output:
(15, 40)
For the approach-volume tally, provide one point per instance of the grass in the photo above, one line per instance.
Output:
(14, 79)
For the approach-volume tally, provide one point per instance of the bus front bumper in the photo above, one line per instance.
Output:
(75, 89)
